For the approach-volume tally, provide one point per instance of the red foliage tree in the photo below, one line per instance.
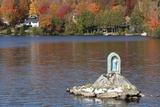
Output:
(63, 10)
(43, 8)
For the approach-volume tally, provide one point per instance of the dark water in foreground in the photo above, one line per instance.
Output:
(35, 71)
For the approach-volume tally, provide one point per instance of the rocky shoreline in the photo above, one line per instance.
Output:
(108, 86)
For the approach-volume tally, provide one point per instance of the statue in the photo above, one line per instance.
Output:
(114, 63)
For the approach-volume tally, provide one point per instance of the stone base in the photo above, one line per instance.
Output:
(108, 86)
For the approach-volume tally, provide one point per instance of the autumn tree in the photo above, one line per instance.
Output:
(153, 20)
(81, 7)
(104, 3)
(58, 24)
(137, 21)
(53, 9)
(33, 11)
(145, 16)
(93, 7)
(144, 6)
(45, 17)
(8, 11)
(23, 9)
(129, 6)
(111, 17)
(63, 11)
(43, 8)
(153, 17)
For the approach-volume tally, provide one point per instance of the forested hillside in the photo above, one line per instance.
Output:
(83, 16)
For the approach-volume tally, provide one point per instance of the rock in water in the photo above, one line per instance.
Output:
(108, 86)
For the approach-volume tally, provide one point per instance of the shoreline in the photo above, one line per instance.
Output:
(75, 36)
(65, 34)
(110, 36)
(37, 33)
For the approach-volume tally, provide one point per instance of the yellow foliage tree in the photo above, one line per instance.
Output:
(33, 8)
(45, 20)
(53, 8)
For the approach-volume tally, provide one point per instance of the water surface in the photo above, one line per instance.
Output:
(35, 71)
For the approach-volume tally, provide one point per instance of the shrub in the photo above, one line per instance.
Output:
(37, 31)
(157, 32)
(22, 30)
(16, 31)
(8, 31)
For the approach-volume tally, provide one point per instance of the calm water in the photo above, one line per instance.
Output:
(35, 71)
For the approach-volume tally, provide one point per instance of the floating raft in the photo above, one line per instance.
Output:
(108, 86)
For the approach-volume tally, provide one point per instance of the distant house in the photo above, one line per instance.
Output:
(5, 21)
(32, 21)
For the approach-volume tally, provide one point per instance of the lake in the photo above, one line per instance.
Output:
(35, 71)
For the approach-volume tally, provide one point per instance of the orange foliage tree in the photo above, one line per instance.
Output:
(8, 11)
(93, 7)
(87, 6)
(153, 20)
(45, 21)
(81, 7)
(43, 8)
